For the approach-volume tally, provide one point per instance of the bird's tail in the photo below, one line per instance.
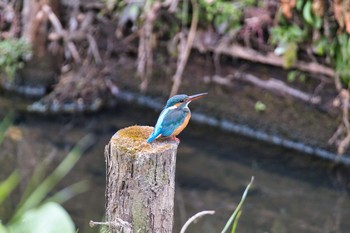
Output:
(153, 136)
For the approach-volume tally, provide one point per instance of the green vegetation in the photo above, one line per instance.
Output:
(4, 125)
(225, 16)
(37, 212)
(301, 27)
(233, 220)
(260, 106)
(12, 52)
(310, 28)
(308, 15)
(295, 75)
(287, 38)
(339, 51)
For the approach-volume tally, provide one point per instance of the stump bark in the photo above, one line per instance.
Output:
(140, 182)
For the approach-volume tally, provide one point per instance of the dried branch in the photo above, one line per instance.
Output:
(8, 17)
(74, 51)
(53, 19)
(88, 20)
(172, 4)
(343, 144)
(145, 55)
(224, 46)
(93, 48)
(114, 224)
(60, 32)
(278, 86)
(273, 85)
(195, 218)
(75, 33)
(341, 137)
(185, 52)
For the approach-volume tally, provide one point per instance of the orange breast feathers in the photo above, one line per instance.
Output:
(183, 126)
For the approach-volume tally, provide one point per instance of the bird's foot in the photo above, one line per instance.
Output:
(174, 138)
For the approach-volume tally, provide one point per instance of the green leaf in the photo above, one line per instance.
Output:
(49, 218)
(4, 125)
(239, 207)
(317, 22)
(260, 106)
(302, 77)
(299, 4)
(321, 46)
(290, 56)
(8, 185)
(2, 228)
(69, 192)
(292, 76)
(48, 184)
(235, 223)
(307, 13)
(12, 52)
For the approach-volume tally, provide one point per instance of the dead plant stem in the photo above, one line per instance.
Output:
(183, 55)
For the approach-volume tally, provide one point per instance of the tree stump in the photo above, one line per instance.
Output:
(140, 182)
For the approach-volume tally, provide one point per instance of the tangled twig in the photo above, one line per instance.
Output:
(117, 223)
(145, 55)
(8, 20)
(74, 33)
(341, 137)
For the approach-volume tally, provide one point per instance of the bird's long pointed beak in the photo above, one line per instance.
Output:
(194, 97)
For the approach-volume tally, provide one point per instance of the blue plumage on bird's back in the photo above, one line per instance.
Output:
(169, 120)
(158, 128)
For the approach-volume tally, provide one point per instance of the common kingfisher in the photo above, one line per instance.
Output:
(174, 117)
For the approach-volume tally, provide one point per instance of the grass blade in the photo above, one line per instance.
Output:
(69, 192)
(235, 213)
(4, 125)
(48, 184)
(8, 185)
(235, 223)
(37, 177)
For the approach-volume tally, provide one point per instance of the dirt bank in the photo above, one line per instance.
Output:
(284, 116)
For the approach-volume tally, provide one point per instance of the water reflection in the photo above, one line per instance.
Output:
(291, 193)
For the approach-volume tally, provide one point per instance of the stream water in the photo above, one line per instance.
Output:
(292, 192)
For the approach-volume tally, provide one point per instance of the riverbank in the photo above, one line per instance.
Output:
(285, 121)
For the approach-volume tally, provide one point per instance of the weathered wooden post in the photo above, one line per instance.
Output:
(140, 182)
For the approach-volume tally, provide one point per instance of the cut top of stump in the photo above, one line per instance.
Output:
(133, 140)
